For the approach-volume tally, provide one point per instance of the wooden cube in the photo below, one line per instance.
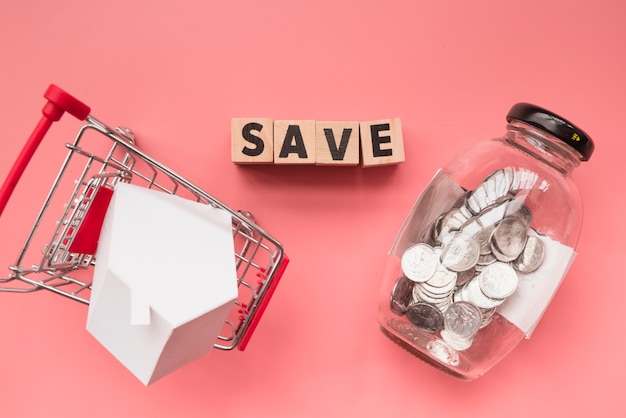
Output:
(381, 142)
(337, 143)
(294, 142)
(252, 140)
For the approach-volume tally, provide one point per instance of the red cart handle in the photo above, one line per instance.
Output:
(58, 102)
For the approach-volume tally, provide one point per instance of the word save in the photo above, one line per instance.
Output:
(268, 141)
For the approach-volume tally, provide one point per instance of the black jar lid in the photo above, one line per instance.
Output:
(555, 125)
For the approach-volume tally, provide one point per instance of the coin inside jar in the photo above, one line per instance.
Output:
(508, 239)
(471, 292)
(401, 295)
(450, 222)
(520, 211)
(484, 239)
(523, 179)
(502, 179)
(425, 316)
(419, 262)
(462, 319)
(460, 253)
(498, 280)
(442, 277)
(531, 257)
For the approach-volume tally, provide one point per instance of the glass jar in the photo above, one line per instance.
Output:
(486, 245)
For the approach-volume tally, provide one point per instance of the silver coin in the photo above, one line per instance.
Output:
(460, 294)
(465, 276)
(442, 278)
(478, 200)
(440, 301)
(434, 295)
(461, 205)
(503, 179)
(529, 180)
(497, 191)
(435, 230)
(531, 257)
(472, 293)
(473, 226)
(435, 301)
(462, 319)
(424, 295)
(466, 211)
(516, 208)
(485, 260)
(445, 304)
(508, 239)
(425, 316)
(439, 292)
(460, 253)
(434, 291)
(487, 316)
(507, 176)
(401, 295)
(419, 262)
(498, 280)
(515, 181)
(494, 213)
(451, 221)
(523, 179)
(492, 190)
(483, 197)
(454, 219)
(484, 239)
(489, 185)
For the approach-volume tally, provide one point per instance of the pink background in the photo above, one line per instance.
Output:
(449, 69)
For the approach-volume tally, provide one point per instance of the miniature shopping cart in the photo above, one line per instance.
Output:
(58, 254)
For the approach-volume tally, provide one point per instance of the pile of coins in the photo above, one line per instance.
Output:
(468, 264)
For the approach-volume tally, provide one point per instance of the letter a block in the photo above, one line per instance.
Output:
(337, 143)
(381, 142)
(294, 142)
(252, 140)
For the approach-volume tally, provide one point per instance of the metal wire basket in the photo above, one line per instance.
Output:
(59, 252)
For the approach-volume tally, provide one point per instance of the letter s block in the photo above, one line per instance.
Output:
(252, 140)
(381, 142)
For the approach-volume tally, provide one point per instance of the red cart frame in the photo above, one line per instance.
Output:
(64, 263)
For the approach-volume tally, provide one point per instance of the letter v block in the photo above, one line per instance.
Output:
(381, 142)
(337, 143)
(252, 140)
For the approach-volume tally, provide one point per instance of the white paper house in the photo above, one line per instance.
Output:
(164, 282)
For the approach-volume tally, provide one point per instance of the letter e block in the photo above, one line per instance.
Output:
(294, 142)
(381, 142)
(252, 140)
(337, 143)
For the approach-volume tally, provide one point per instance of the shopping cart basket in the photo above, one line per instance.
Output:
(58, 254)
